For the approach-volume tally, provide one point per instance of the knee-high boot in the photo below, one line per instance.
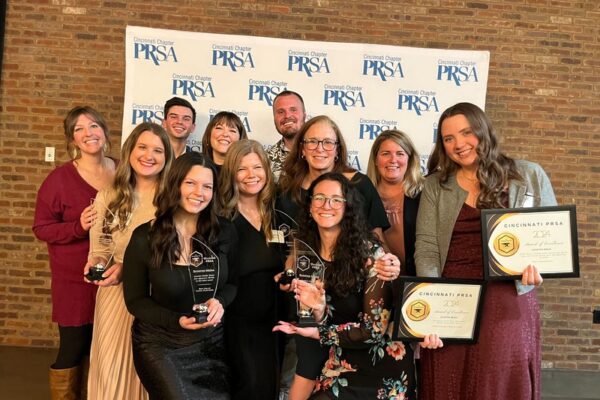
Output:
(85, 369)
(65, 383)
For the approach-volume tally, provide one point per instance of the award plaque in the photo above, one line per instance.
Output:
(203, 269)
(104, 240)
(513, 238)
(447, 307)
(284, 228)
(309, 267)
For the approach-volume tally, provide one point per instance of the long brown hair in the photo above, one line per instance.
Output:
(228, 188)
(296, 167)
(495, 169)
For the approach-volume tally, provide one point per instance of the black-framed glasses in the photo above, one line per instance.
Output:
(335, 202)
(312, 144)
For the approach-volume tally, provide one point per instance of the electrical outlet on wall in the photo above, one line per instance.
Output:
(49, 154)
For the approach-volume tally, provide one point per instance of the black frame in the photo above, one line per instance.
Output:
(489, 216)
(407, 282)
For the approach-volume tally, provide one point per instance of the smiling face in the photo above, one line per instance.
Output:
(288, 115)
(196, 190)
(221, 138)
(460, 142)
(251, 176)
(326, 216)
(391, 162)
(319, 159)
(179, 123)
(147, 158)
(88, 135)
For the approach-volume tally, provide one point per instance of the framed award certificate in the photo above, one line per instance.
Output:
(447, 307)
(513, 238)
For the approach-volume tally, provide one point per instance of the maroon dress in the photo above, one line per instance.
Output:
(506, 360)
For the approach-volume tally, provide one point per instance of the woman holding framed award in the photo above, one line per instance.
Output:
(179, 277)
(63, 217)
(363, 363)
(247, 196)
(145, 157)
(224, 129)
(470, 173)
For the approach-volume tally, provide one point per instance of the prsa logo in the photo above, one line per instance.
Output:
(385, 67)
(308, 62)
(353, 160)
(371, 128)
(342, 96)
(156, 50)
(242, 114)
(458, 72)
(146, 113)
(233, 57)
(192, 86)
(419, 101)
(265, 90)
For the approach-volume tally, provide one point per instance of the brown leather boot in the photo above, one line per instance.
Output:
(65, 383)
(85, 368)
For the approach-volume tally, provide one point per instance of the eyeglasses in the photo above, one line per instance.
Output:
(312, 144)
(335, 202)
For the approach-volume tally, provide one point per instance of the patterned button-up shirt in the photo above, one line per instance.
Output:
(277, 155)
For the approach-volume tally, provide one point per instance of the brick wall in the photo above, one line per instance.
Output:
(543, 96)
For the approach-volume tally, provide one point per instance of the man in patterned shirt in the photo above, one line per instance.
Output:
(289, 116)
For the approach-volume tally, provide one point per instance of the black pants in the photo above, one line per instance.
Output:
(75, 343)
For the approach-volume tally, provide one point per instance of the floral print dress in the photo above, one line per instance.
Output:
(364, 363)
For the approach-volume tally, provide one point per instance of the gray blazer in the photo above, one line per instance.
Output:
(440, 206)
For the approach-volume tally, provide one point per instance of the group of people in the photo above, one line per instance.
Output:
(144, 216)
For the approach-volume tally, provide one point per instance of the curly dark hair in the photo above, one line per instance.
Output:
(354, 244)
(164, 242)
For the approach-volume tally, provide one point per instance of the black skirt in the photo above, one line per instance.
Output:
(180, 365)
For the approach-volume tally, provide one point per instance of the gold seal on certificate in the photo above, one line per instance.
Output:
(515, 238)
(446, 307)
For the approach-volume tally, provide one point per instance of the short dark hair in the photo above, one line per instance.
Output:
(289, 93)
(178, 101)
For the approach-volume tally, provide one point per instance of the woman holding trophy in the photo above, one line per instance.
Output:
(363, 363)
(63, 217)
(179, 278)
(145, 157)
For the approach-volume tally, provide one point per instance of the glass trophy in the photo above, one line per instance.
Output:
(284, 228)
(99, 245)
(308, 267)
(204, 278)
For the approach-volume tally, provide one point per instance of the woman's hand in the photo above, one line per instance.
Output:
(112, 276)
(387, 267)
(90, 263)
(88, 217)
(531, 276)
(215, 314)
(431, 341)
(292, 329)
(311, 296)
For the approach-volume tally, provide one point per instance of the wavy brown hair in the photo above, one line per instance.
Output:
(224, 117)
(164, 243)
(296, 167)
(228, 188)
(495, 169)
(122, 205)
(354, 244)
(413, 179)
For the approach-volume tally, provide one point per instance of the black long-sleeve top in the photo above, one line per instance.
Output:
(162, 295)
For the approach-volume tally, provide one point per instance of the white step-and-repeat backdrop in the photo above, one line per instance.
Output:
(365, 88)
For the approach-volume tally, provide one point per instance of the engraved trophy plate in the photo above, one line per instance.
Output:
(309, 267)
(204, 278)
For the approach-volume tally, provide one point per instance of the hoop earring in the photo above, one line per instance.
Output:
(336, 158)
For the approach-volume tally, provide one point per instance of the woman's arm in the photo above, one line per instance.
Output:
(427, 251)
(228, 244)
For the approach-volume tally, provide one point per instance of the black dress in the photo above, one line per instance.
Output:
(251, 344)
(172, 362)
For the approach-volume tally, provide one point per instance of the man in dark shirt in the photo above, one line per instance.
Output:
(179, 122)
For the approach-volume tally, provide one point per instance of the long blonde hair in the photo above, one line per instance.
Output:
(413, 179)
(228, 189)
(121, 206)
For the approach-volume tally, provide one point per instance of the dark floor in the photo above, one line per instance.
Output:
(24, 376)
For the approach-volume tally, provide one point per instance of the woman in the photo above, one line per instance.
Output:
(145, 157)
(63, 217)
(223, 129)
(175, 355)
(394, 170)
(363, 363)
(469, 173)
(318, 149)
(247, 195)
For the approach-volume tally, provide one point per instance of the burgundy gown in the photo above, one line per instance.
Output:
(505, 362)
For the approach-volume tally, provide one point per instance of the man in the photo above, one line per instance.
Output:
(289, 116)
(179, 122)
